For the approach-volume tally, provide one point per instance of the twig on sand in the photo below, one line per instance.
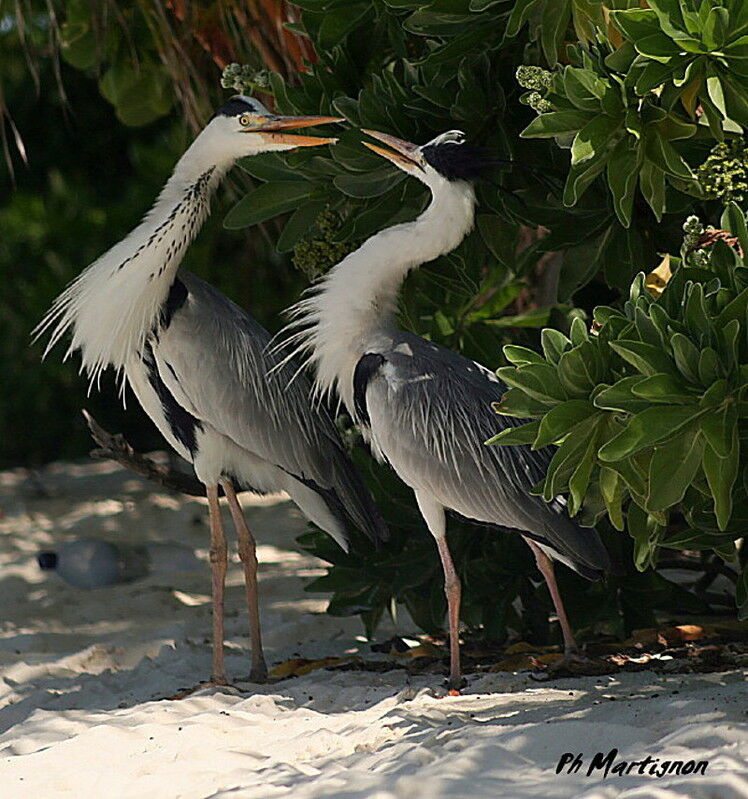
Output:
(114, 447)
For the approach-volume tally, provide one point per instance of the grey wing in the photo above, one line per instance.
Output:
(429, 411)
(215, 358)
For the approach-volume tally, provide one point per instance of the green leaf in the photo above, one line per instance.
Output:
(516, 402)
(672, 469)
(649, 427)
(539, 380)
(369, 184)
(267, 201)
(635, 23)
(709, 368)
(721, 474)
(555, 21)
(611, 489)
(733, 219)
(623, 171)
(555, 123)
(580, 178)
(522, 356)
(580, 479)
(338, 22)
(567, 458)
(644, 530)
(514, 436)
(268, 167)
(580, 369)
(665, 388)
(299, 223)
(720, 429)
(561, 419)
(647, 358)
(620, 396)
(593, 138)
(652, 185)
(583, 88)
(554, 343)
(686, 357)
(538, 317)
(665, 157)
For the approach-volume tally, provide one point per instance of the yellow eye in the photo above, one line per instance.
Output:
(245, 120)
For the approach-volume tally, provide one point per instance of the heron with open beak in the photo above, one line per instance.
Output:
(424, 409)
(201, 367)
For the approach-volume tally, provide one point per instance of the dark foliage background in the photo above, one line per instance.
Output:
(607, 150)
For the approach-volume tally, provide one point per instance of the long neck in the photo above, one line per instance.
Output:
(114, 304)
(354, 306)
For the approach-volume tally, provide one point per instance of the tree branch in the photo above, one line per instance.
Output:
(114, 447)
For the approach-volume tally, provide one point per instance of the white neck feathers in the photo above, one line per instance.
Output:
(350, 309)
(114, 304)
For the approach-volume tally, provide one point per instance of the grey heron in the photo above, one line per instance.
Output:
(201, 367)
(424, 409)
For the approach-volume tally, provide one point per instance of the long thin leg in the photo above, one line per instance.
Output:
(545, 564)
(218, 561)
(248, 555)
(433, 514)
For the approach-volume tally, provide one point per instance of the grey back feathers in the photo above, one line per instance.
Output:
(241, 394)
(431, 411)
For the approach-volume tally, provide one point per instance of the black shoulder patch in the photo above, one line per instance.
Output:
(366, 368)
(182, 423)
(176, 298)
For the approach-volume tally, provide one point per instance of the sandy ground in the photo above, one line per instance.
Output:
(84, 711)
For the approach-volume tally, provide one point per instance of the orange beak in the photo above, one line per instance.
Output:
(268, 126)
(404, 155)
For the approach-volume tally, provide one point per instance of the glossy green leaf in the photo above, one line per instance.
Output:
(556, 123)
(522, 356)
(554, 343)
(664, 388)
(672, 469)
(721, 474)
(648, 359)
(514, 436)
(620, 396)
(647, 428)
(720, 429)
(539, 380)
(611, 488)
(561, 419)
(268, 201)
(299, 223)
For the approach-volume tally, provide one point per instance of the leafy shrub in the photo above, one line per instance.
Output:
(649, 411)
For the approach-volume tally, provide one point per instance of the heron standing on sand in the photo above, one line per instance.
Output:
(200, 366)
(427, 410)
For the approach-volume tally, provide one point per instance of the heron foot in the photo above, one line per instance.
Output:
(259, 674)
(575, 664)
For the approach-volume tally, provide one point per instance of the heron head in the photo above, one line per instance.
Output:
(246, 127)
(446, 158)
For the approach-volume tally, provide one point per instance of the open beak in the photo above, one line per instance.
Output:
(270, 125)
(404, 155)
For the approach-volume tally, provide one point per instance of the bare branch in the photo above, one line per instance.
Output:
(114, 447)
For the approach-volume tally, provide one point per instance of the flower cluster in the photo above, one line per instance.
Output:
(319, 251)
(534, 78)
(244, 79)
(538, 81)
(724, 174)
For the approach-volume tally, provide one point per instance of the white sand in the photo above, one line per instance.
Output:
(83, 713)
